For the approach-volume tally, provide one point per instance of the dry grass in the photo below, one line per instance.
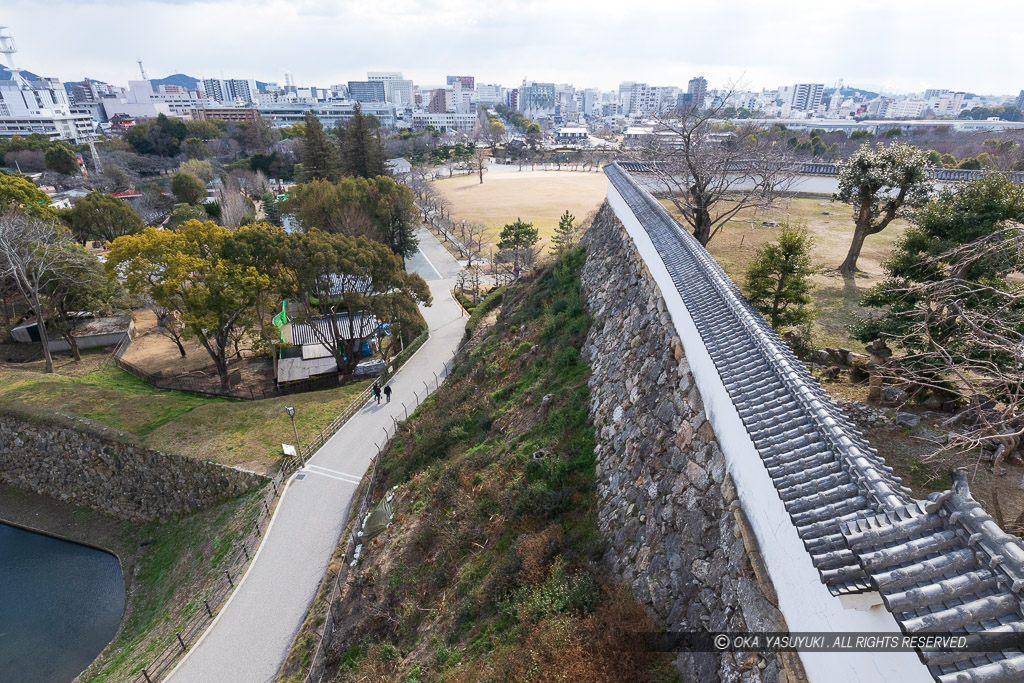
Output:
(538, 197)
(836, 302)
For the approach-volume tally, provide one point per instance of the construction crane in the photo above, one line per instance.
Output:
(142, 70)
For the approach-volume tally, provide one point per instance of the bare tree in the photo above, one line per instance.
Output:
(167, 323)
(967, 341)
(234, 206)
(479, 162)
(710, 171)
(34, 253)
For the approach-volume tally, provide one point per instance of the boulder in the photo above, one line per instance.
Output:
(907, 420)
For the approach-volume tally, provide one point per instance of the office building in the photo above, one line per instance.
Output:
(367, 91)
(465, 80)
(696, 91)
(537, 100)
(229, 90)
(41, 107)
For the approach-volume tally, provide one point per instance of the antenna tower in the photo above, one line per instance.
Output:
(142, 70)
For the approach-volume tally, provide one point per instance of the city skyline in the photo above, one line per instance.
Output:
(889, 49)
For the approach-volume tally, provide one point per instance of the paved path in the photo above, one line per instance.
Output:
(249, 639)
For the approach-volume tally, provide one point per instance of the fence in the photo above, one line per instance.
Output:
(211, 386)
(318, 663)
(206, 605)
(190, 631)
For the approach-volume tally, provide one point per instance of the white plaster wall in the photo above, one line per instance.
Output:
(803, 599)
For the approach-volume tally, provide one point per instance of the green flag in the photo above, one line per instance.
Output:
(281, 319)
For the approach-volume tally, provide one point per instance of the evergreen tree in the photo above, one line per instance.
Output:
(318, 153)
(362, 152)
(270, 208)
(566, 234)
(778, 282)
(517, 243)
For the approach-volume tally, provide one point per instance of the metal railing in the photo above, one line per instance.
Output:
(318, 662)
(208, 603)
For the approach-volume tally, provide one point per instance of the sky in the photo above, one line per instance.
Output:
(889, 45)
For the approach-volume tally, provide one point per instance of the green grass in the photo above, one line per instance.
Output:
(232, 432)
(181, 562)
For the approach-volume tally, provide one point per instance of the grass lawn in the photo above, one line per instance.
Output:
(241, 433)
(836, 302)
(538, 197)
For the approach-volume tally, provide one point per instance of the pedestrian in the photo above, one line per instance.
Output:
(376, 393)
(387, 392)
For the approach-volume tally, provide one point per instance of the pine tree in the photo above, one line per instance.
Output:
(566, 234)
(778, 281)
(271, 209)
(318, 153)
(362, 152)
(517, 243)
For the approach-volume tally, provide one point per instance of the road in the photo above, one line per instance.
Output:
(249, 639)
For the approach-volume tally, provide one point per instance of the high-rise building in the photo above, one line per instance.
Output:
(489, 94)
(537, 100)
(438, 101)
(397, 90)
(1020, 100)
(41, 107)
(366, 91)
(229, 90)
(807, 96)
(697, 90)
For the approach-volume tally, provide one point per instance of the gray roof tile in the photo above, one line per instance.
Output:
(940, 564)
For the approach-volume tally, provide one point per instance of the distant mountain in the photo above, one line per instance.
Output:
(5, 75)
(866, 94)
(185, 81)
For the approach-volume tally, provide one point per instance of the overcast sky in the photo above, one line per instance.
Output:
(892, 45)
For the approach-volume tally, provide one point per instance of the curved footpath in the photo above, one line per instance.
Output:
(249, 639)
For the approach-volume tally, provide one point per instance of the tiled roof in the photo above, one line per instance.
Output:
(940, 565)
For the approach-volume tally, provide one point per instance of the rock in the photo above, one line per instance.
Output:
(933, 402)
(893, 396)
(907, 420)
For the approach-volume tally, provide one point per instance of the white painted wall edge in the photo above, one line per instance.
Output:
(804, 600)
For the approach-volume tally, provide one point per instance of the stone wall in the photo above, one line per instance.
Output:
(81, 467)
(667, 506)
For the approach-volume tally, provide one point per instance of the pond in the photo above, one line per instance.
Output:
(60, 604)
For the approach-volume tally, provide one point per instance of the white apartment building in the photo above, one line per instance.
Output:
(141, 101)
(329, 113)
(489, 94)
(229, 90)
(807, 96)
(41, 107)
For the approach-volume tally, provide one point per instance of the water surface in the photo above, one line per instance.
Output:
(60, 604)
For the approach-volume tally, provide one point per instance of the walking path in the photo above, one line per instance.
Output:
(249, 639)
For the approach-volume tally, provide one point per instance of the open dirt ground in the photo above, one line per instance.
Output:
(537, 197)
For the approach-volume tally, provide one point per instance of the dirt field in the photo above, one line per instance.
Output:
(538, 197)
(836, 302)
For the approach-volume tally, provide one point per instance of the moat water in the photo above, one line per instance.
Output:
(60, 604)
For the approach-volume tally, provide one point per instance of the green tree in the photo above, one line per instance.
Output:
(200, 168)
(566, 234)
(185, 271)
(18, 192)
(894, 132)
(195, 148)
(186, 212)
(517, 242)
(351, 276)
(270, 208)
(379, 208)
(361, 148)
(187, 188)
(880, 184)
(99, 216)
(84, 287)
(777, 281)
(969, 164)
(60, 158)
(948, 160)
(295, 130)
(161, 136)
(204, 130)
(860, 134)
(318, 152)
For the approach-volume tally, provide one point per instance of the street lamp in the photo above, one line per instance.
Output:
(291, 413)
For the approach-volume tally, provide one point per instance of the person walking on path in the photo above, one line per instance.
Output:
(387, 392)
(376, 393)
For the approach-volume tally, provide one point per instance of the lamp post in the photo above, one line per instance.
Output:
(291, 413)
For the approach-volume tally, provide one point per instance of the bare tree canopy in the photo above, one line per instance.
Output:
(711, 171)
